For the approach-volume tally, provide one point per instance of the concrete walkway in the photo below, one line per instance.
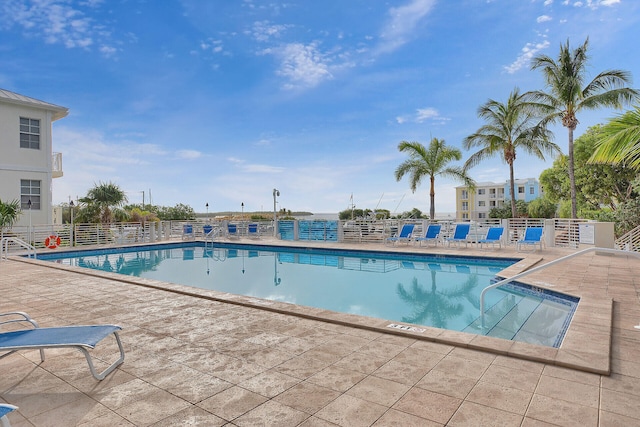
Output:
(202, 358)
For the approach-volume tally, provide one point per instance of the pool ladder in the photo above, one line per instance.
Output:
(4, 247)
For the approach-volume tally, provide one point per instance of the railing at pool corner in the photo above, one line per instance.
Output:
(6, 242)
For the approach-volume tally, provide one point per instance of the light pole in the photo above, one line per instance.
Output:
(276, 193)
(242, 211)
(29, 205)
(71, 231)
(207, 206)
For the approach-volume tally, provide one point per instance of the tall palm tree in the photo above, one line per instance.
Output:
(620, 141)
(430, 162)
(509, 127)
(103, 201)
(568, 94)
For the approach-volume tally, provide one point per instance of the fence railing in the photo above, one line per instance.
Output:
(630, 241)
(558, 232)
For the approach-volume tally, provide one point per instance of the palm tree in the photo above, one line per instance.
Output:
(9, 213)
(568, 94)
(102, 200)
(620, 141)
(510, 127)
(430, 162)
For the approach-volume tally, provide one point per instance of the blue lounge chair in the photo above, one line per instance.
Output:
(432, 235)
(253, 231)
(493, 237)
(187, 232)
(459, 235)
(232, 231)
(78, 337)
(404, 236)
(532, 237)
(6, 409)
(206, 229)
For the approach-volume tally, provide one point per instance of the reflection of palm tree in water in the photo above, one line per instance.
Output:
(439, 306)
(132, 266)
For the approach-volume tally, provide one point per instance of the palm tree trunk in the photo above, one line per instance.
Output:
(432, 197)
(514, 212)
(572, 177)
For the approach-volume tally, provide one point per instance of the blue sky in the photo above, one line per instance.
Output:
(220, 101)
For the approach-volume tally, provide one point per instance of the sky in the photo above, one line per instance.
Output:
(222, 101)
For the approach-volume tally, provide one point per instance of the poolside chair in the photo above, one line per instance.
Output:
(78, 337)
(493, 237)
(206, 229)
(432, 235)
(232, 231)
(187, 232)
(404, 236)
(253, 231)
(6, 409)
(532, 237)
(460, 234)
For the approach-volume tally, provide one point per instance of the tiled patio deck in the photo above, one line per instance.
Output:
(198, 361)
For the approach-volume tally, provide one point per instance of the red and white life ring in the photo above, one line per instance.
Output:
(52, 241)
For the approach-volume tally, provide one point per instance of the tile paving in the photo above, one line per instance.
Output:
(211, 359)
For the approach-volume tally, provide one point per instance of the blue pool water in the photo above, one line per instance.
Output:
(427, 290)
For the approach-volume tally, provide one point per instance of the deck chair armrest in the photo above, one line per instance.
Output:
(17, 317)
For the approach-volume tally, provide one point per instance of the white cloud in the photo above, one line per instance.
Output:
(264, 31)
(55, 22)
(543, 18)
(421, 115)
(548, 2)
(528, 52)
(402, 23)
(188, 154)
(304, 66)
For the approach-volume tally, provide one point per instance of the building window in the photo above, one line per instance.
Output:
(29, 190)
(465, 216)
(29, 133)
(520, 190)
(481, 191)
(492, 203)
(532, 190)
(481, 203)
(464, 194)
(482, 215)
(465, 206)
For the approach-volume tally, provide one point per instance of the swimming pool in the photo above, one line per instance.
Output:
(425, 290)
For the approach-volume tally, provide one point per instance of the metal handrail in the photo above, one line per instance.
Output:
(4, 247)
(544, 266)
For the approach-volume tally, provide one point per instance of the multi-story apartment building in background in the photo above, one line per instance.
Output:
(27, 161)
(475, 205)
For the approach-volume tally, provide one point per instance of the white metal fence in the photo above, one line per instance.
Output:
(558, 232)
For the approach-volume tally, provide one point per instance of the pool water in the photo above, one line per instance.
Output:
(437, 291)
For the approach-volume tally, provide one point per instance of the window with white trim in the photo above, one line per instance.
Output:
(30, 191)
(29, 133)
(481, 203)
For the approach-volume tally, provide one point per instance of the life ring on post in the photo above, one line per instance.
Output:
(52, 241)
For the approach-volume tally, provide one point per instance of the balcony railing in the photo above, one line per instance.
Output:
(56, 165)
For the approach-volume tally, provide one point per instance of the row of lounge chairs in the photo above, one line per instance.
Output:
(532, 236)
(232, 232)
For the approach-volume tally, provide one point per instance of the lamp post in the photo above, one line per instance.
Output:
(207, 206)
(29, 231)
(242, 210)
(276, 193)
(71, 230)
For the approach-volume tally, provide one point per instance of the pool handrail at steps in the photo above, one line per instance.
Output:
(4, 247)
(549, 264)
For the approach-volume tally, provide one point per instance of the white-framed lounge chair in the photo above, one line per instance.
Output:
(232, 231)
(431, 235)
(532, 237)
(493, 237)
(460, 234)
(253, 231)
(81, 338)
(6, 409)
(404, 236)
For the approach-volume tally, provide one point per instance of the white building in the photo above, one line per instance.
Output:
(475, 205)
(27, 161)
